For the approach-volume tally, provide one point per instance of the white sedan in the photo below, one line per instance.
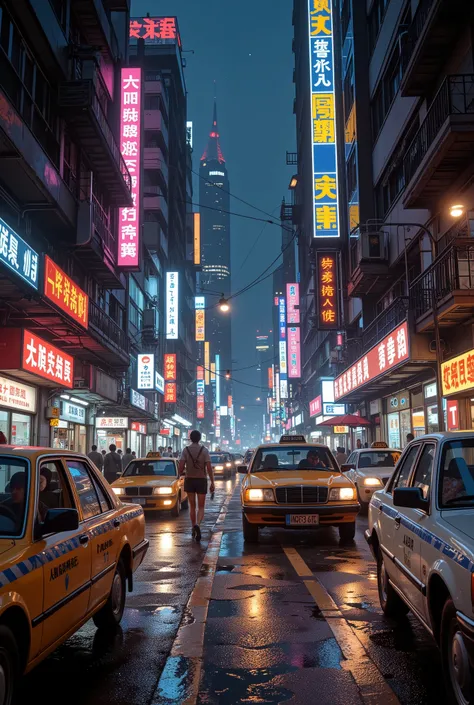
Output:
(370, 469)
(421, 531)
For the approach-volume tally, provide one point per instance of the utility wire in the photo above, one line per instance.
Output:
(221, 374)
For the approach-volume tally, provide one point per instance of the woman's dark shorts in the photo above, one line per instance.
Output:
(195, 485)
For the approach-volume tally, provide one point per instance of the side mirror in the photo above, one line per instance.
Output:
(242, 469)
(345, 467)
(410, 498)
(58, 520)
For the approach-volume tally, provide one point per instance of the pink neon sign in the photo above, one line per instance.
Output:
(293, 301)
(130, 120)
(294, 353)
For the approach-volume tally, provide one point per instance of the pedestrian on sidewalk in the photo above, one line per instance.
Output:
(112, 464)
(127, 458)
(196, 462)
(96, 457)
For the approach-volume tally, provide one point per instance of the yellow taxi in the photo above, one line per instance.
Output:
(153, 483)
(295, 484)
(68, 547)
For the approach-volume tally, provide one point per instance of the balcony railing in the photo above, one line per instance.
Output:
(414, 30)
(451, 272)
(380, 327)
(108, 329)
(101, 223)
(455, 97)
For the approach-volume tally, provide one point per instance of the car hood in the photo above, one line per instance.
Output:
(297, 478)
(460, 519)
(376, 472)
(144, 481)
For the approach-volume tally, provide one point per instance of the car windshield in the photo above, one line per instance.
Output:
(287, 457)
(456, 478)
(378, 459)
(219, 459)
(159, 468)
(14, 482)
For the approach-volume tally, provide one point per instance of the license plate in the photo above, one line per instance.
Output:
(302, 519)
(139, 500)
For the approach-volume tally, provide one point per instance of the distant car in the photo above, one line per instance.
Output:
(222, 464)
(295, 484)
(68, 550)
(421, 532)
(370, 469)
(237, 458)
(153, 483)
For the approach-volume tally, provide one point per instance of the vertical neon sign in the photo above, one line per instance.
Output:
(130, 122)
(323, 119)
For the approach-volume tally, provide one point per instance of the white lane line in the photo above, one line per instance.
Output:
(373, 687)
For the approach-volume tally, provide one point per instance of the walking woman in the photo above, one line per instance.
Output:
(196, 461)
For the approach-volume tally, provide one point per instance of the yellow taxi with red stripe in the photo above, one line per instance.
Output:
(68, 548)
(294, 484)
(153, 483)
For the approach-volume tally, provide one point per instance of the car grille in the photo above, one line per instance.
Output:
(301, 495)
(138, 491)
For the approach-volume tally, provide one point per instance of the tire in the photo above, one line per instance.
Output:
(364, 506)
(175, 511)
(347, 531)
(391, 603)
(458, 676)
(9, 665)
(110, 615)
(250, 530)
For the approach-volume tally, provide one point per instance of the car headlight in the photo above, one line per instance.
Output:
(372, 482)
(118, 490)
(218, 467)
(228, 465)
(342, 493)
(254, 495)
(163, 490)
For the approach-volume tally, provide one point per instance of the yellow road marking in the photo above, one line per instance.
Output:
(372, 685)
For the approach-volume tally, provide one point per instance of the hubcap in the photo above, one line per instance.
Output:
(459, 669)
(116, 593)
(3, 685)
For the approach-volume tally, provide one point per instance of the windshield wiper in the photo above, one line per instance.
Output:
(468, 497)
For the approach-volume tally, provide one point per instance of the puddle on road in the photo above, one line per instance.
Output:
(227, 687)
(400, 639)
(225, 569)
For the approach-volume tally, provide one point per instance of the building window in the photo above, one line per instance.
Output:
(152, 101)
(345, 17)
(386, 91)
(351, 168)
(60, 10)
(348, 90)
(376, 18)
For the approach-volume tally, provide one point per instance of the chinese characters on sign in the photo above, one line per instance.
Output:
(327, 291)
(45, 360)
(270, 378)
(16, 395)
(130, 122)
(155, 30)
(323, 119)
(207, 361)
(200, 390)
(293, 302)
(171, 375)
(315, 406)
(146, 371)
(137, 399)
(17, 255)
(282, 347)
(61, 290)
(197, 237)
(72, 412)
(111, 422)
(383, 357)
(172, 305)
(138, 427)
(170, 393)
(294, 356)
(199, 304)
(458, 374)
(159, 383)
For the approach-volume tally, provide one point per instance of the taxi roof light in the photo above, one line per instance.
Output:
(153, 454)
(292, 439)
(379, 444)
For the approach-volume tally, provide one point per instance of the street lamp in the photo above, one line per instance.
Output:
(227, 374)
(456, 210)
(224, 305)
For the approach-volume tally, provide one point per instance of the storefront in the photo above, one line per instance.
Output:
(70, 433)
(137, 438)
(457, 376)
(431, 407)
(397, 410)
(111, 429)
(18, 402)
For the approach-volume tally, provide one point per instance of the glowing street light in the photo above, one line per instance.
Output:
(224, 305)
(456, 210)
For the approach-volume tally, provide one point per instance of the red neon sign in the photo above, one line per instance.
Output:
(170, 393)
(383, 357)
(62, 291)
(327, 291)
(170, 367)
(130, 121)
(154, 29)
(47, 361)
(316, 406)
(200, 407)
(137, 426)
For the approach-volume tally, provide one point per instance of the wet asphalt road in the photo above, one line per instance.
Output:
(266, 636)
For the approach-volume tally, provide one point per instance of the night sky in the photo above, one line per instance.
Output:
(245, 47)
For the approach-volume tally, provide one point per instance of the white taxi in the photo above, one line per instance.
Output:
(421, 531)
(370, 469)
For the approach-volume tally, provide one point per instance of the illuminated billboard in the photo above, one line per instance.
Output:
(45, 360)
(327, 294)
(200, 314)
(17, 255)
(197, 238)
(172, 305)
(294, 353)
(293, 303)
(282, 348)
(130, 123)
(64, 292)
(154, 30)
(146, 371)
(323, 119)
(207, 362)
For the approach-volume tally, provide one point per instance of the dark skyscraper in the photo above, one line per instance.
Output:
(215, 244)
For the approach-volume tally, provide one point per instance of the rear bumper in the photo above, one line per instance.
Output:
(155, 503)
(139, 553)
(276, 515)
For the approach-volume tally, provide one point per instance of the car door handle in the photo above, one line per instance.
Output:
(116, 523)
(398, 520)
(84, 539)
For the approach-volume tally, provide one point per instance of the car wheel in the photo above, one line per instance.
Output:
(347, 531)
(391, 603)
(9, 665)
(177, 507)
(111, 613)
(250, 530)
(458, 676)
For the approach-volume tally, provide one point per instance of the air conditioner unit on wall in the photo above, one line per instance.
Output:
(374, 245)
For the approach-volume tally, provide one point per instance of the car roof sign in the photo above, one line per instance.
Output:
(292, 439)
(153, 454)
(379, 444)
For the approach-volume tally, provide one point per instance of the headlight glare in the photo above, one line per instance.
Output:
(228, 465)
(118, 490)
(372, 482)
(257, 495)
(218, 467)
(341, 493)
(163, 490)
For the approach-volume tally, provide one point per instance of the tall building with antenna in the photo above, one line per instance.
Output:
(215, 255)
